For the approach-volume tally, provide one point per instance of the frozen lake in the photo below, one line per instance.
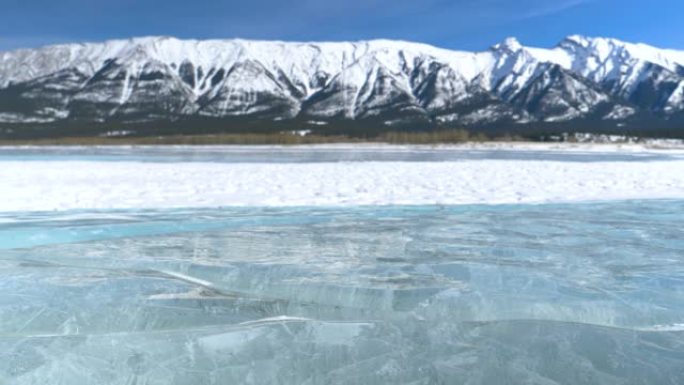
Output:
(337, 153)
(581, 293)
(102, 178)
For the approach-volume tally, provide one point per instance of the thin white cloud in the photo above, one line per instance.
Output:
(551, 8)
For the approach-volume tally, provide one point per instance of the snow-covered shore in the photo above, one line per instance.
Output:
(63, 185)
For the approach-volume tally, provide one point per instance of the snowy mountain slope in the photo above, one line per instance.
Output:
(391, 82)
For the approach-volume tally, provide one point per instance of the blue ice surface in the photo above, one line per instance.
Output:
(583, 293)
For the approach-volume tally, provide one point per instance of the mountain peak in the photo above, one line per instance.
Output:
(510, 44)
(592, 42)
(576, 40)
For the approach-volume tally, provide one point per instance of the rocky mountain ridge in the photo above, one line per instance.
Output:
(243, 85)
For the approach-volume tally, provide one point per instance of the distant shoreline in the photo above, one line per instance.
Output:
(451, 137)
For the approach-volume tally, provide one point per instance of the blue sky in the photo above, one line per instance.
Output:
(457, 24)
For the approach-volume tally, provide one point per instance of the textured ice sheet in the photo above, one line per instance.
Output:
(550, 294)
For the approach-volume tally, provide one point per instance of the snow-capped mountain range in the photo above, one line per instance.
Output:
(600, 80)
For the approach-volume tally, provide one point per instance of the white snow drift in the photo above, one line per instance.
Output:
(62, 185)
